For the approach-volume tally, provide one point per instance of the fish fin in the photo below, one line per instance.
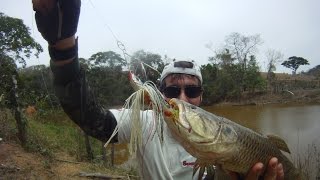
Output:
(201, 172)
(202, 167)
(195, 167)
(280, 143)
(210, 172)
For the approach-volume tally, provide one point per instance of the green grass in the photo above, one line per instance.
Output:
(54, 132)
(51, 134)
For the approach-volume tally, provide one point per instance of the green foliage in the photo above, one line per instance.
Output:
(8, 129)
(15, 40)
(152, 70)
(109, 82)
(227, 79)
(253, 79)
(294, 63)
(209, 75)
(109, 59)
(222, 59)
(105, 75)
(111, 86)
(37, 87)
(16, 44)
(7, 69)
(237, 69)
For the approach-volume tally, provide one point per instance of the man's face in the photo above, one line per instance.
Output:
(185, 83)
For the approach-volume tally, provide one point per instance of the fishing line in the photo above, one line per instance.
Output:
(135, 102)
(120, 45)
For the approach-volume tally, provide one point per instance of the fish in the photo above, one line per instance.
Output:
(219, 142)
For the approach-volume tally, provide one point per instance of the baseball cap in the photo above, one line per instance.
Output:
(181, 67)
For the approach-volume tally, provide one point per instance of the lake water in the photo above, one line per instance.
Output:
(298, 125)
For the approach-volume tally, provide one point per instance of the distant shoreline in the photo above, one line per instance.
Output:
(311, 96)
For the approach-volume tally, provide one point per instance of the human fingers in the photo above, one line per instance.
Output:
(43, 6)
(255, 172)
(233, 176)
(272, 169)
(280, 172)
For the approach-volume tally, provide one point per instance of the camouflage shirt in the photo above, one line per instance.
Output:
(78, 102)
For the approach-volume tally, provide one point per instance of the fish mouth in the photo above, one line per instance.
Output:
(181, 122)
(178, 115)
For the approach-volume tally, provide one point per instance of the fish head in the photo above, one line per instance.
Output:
(200, 132)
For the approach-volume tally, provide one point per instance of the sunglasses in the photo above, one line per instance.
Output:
(190, 91)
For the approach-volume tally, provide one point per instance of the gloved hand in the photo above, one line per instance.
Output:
(57, 19)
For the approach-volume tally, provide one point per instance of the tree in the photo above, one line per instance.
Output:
(108, 58)
(294, 63)
(209, 75)
(223, 58)
(253, 79)
(241, 46)
(104, 74)
(37, 88)
(273, 58)
(147, 65)
(16, 45)
(15, 40)
(237, 70)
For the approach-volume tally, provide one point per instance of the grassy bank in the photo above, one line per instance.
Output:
(60, 149)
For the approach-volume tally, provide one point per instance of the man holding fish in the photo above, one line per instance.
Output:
(57, 21)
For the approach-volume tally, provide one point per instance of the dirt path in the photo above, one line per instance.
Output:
(16, 163)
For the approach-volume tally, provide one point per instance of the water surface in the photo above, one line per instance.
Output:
(298, 125)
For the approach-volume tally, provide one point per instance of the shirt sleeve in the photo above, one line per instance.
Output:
(78, 102)
(124, 120)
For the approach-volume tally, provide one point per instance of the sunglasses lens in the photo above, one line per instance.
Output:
(193, 91)
(172, 91)
(190, 91)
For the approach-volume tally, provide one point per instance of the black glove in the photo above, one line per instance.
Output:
(61, 22)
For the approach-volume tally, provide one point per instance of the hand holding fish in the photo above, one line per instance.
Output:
(274, 171)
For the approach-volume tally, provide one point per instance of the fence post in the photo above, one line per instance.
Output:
(21, 121)
(88, 146)
(112, 154)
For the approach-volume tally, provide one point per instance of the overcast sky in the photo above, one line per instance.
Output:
(181, 28)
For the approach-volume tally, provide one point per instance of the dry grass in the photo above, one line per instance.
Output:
(286, 76)
(309, 162)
